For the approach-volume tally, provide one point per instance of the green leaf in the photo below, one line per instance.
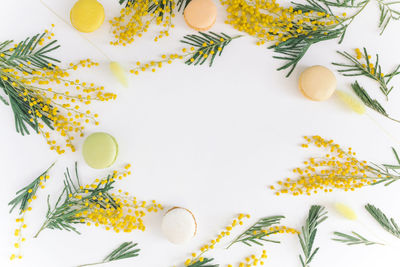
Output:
(387, 13)
(207, 46)
(355, 67)
(182, 4)
(316, 216)
(206, 262)
(27, 192)
(65, 213)
(124, 251)
(353, 239)
(255, 234)
(389, 225)
(367, 100)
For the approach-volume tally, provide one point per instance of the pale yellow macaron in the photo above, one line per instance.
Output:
(200, 15)
(100, 150)
(317, 83)
(87, 15)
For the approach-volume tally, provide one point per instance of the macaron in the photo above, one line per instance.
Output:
(200, 15)
(100, 150)
(87, 15)
(179, 225)
(317, 83)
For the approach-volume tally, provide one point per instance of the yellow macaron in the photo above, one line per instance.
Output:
(200, 15)
(87, 15)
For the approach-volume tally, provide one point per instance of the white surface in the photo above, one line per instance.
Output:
(209, 139)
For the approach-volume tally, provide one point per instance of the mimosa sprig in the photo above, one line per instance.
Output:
(204, 262)
(369, 101)
(253, 260)
(353, 239)
(387, 13)
(207, 46)
(200, 257)
(137, 16)
(24, 198)
(389, 225)
(27, 76)
(316, 216)
(96, 204)
(338, 169)
(361, 65)
(203, 47)
(257, 233)
(24, 195)
(294, 29)
(291, 30)
(124, 251)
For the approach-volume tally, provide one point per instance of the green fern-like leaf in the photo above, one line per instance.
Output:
(206, 262)
(26, 193)
(353, 239)
(389, 225)
(207, 46)
(387, 13)
(316, 216)
(257, 233)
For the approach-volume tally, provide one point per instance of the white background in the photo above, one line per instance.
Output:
(208, 139)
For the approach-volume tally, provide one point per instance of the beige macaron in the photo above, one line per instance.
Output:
(317, 83)
(200, 15)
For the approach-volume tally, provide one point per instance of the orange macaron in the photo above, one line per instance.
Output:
(200, 15)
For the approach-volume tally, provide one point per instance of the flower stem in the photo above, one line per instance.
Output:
(41, 229)
(90, 264)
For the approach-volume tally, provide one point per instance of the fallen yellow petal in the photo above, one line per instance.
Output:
(119, 73)
(346, 211)
(352, 102)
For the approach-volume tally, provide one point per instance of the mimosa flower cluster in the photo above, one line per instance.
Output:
(253, 260)
(204, 47)
(44, 96)
(137, 16)
(23, 201)
(337, 169)
(198, 257)
(269, 22)
(94, 204)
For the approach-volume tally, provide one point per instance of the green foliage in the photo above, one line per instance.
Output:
(387, 13)
(353, 239)
(293, 50)
(205, 263)
(389, 173)
(27, 56)
(155, 7)
(255, 235)
(316, 216)
(26, 193)
(389, 225)
(372, 71)
(66, 212)
(26, 51)
(124, 251)
(207, 46)
(182, 4)
(370, 102)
